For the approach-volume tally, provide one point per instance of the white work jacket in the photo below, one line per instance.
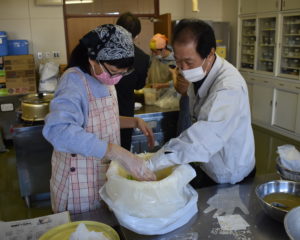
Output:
(221, 136)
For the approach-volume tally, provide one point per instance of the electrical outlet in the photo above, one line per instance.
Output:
(48, 54)
(56, 54)
(39, 55)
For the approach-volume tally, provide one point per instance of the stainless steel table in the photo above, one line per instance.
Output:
(207, 227)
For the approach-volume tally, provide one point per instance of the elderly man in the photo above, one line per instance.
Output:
(220, 138)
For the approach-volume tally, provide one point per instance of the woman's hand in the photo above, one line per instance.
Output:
(147, 131)
(135, 165)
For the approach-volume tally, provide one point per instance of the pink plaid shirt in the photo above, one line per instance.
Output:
(76, 180)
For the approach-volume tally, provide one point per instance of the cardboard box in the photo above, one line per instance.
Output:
(21, 90)
(2, 76)
(19, 67)
(19, 60)
(20, 76)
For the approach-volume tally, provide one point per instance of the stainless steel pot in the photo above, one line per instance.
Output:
(35, 106)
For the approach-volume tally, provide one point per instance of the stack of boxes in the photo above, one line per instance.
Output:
(20, 76)
(2, 75)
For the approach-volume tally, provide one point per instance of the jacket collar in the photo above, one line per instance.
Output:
(211, 77)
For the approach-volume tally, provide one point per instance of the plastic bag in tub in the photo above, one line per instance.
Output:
(154, 207)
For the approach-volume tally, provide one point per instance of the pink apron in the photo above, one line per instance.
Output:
(76, 180)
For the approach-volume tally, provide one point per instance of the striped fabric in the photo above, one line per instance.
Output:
(76, 180)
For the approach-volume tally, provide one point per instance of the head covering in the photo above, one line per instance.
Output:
(158, 41)
(108, 42)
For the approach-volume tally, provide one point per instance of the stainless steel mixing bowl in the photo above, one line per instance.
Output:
(292, 223)
(277, 186)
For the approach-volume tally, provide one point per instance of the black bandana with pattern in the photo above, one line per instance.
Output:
(108, 42)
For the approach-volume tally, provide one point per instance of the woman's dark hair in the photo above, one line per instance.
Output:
(130, 22)
(79, 58)
(196, 30)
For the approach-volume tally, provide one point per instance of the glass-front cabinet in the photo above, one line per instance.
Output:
(248, 40)
(290, 49)
(266, 44)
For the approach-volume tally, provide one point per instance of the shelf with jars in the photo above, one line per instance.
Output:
(266, 46)
(248, 43)
(270, 44)
(290, 50)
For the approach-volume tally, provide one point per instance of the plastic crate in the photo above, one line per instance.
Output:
(17, 47)
(3, 44)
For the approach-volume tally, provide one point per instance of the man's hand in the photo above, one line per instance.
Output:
(180, 83)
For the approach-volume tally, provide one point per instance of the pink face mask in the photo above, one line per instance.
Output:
(105, 77)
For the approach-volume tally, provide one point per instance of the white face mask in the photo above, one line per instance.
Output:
(194, 74)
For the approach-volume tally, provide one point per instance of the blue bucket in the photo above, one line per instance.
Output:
(17, 47)
(3, 44)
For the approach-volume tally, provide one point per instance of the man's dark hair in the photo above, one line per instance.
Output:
(130, 22)
(196, 30)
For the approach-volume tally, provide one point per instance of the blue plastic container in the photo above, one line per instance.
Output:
(17, 47)
(3, 44)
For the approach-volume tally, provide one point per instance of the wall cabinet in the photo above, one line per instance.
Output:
(247, 6)
(268, 56)
(290, 4)
(275, 104)
(259, 6)
(268, 5)
(262, 103)
(285, 109)
(270, 44)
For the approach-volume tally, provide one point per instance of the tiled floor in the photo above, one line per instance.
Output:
(12, 206)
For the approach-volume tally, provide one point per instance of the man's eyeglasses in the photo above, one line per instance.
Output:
(129, 71)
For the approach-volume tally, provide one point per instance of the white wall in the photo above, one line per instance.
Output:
(230, 14)
(208, 10)
(43, 26)
(175, 7)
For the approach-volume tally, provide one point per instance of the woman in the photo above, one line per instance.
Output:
(84, 124)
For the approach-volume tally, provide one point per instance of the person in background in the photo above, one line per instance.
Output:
(161, 50)
(162, 62)
(134, 81)
(220, 139)
(84, 123)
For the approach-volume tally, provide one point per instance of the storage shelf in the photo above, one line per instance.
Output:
(291, 34)
(249, 26)
(291, 57)
(292, 46)
(266, 60)
(268, 29)
(247, 62)
(250, 45)
(250, 35)
(295, 68)
(291, 23)
(250, 54)
(267, 45)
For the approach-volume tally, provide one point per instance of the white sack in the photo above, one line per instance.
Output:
(289, 157)
(48, 76)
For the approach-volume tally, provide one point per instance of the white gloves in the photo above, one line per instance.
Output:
(161, 159)
(226, 201)
(132, 163)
